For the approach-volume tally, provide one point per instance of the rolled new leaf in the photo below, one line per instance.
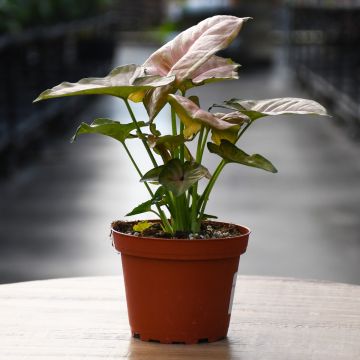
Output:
(108, 127)
(232, 154)
(256, 109)
(122, 82)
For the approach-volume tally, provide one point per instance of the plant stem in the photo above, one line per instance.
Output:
(205, 196)
(140, 132)
(182, 146)
(204, 144)
(162, 215)
(175, 153)
(243, 130)
(137, 168)
(199, 145)
(195, 226)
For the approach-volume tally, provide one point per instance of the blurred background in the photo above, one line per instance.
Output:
(57, 200)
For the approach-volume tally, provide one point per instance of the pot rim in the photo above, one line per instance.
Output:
(247, 232)
(181, 249)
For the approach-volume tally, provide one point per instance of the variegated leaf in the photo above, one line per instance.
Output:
(214, 69)
(258, 108)
(178, 177)
(189, 51)
(193, 118)
(122, 82)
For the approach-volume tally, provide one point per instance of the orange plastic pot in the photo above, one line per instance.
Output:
(180, 291)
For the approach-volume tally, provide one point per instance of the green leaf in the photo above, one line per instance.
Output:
(207, 216)
(142, 226)
(146, 206)
(153, 174)
(154, 130)
(122, 82)
(256, 109)
(165, 145)
(161, 150)
(142, 208)
(107, 127)
(232, 154)
(170, 142)
(178, 177)
(159, 193)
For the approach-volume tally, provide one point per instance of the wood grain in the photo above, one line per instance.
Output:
(86, 318)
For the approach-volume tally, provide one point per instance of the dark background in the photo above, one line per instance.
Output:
(57, 200)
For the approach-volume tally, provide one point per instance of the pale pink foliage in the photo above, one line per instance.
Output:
(189, 52)
(220, 121)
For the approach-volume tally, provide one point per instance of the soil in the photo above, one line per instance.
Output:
(209, 230)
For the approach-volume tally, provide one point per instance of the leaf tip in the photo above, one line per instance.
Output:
(43, 96)
(39, 98)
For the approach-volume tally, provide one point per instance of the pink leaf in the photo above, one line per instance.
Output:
(188, 52)
(216, 68)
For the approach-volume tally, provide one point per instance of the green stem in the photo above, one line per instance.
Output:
(204, 144)
(243, 130)
(156, 213)
(160, 213)
(175, 153)
(137, 168)
(205, 196)
(199, 145)
(182, 146)
(171, 201)
(195, 226)
(140, 132)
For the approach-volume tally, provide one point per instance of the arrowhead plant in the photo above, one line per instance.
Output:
(187, 61)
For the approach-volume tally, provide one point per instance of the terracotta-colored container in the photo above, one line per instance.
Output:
(180, 291)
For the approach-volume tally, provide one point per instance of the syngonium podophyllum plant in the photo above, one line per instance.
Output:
(187, 61)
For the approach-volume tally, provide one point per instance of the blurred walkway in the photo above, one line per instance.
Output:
(55, 216)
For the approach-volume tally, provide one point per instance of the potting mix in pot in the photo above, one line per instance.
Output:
(180, 270)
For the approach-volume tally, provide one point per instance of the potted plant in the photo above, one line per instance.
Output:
(180, 270)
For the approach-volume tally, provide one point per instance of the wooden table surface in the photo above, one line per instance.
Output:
(86, 318)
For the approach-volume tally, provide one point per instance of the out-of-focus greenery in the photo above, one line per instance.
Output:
(16, 15)
(165, 31)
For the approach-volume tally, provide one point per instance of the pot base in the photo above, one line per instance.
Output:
(177, 342)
